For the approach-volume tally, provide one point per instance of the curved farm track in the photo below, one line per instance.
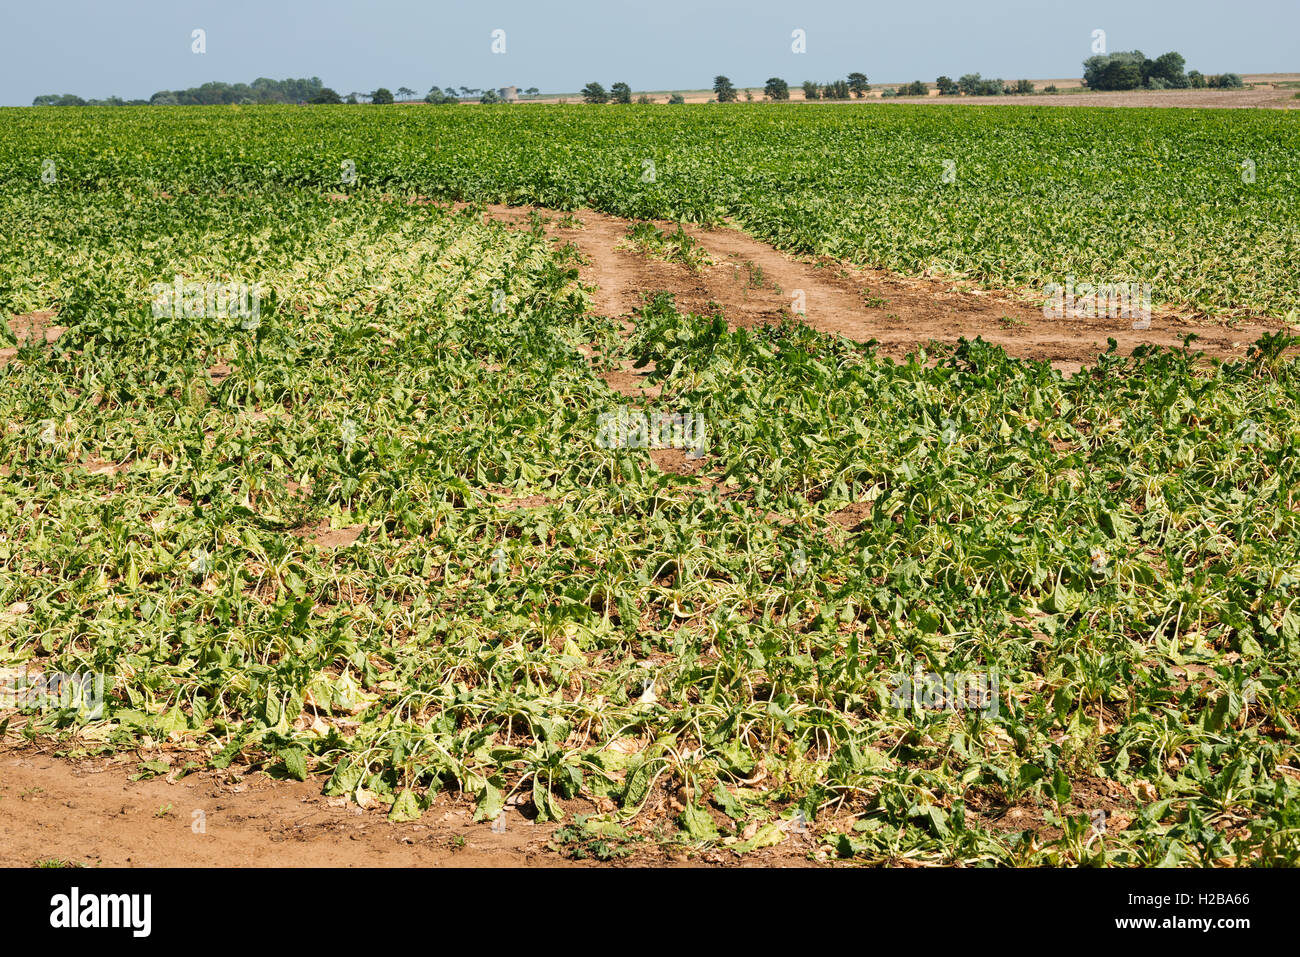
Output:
(752, 283)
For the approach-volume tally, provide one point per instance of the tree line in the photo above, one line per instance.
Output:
(265, 90)
(261, 90)
(594, 92)
(1130, 70)
(725, 91)
(854, 85)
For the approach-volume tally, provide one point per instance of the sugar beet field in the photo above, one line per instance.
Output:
(395, 531)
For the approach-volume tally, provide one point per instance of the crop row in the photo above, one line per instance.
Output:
(1203, 205)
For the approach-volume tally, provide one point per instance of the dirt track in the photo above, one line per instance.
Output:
(91, 813)
(861, 304)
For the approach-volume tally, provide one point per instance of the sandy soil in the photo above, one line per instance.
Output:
(90, 813)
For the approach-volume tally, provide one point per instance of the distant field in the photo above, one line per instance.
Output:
(1270, 91)
(1146, 196)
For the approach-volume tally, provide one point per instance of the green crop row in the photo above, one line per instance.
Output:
(1203, 205)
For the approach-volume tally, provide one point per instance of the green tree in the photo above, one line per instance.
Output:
(620, 93)
(811, 91)
(54, 99)
(405, 92)
(532, 91)
(593, 92)
(490, 96)
(726, 93)
(381, 96)
(859, 85)
(1119, 75)
(946, 86)
(776, 89)
(1115, 71)
(1169, 67)
(326, 96)
(676, 100)
(439, 97)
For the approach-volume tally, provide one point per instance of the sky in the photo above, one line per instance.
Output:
(132, 48)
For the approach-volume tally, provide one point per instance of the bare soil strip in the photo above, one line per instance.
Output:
(752, 283)
(90, 813)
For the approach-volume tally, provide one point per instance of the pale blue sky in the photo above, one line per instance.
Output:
(131, 48)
